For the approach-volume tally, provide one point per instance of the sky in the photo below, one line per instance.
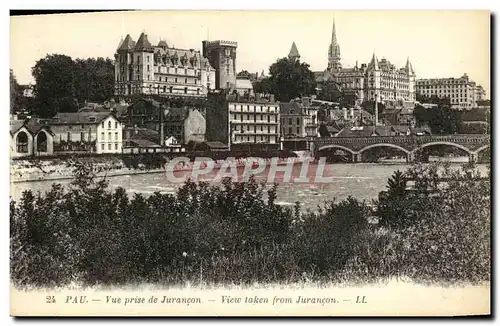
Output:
(438, 43)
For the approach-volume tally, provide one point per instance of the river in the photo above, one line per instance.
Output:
(361, 180)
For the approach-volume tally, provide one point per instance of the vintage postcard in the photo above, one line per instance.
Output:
(250, 163)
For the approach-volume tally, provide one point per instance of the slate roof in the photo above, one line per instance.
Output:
(32, 125)
(127, 45)
(287, 108)
(143, 43)
(79, 118)
(294, 53)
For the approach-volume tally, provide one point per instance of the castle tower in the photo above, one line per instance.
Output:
(143, 63)
(334, 52)
(123, 66)
(375, 79)
(222, 56)
(294, 53)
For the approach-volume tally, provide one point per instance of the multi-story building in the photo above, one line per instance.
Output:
(462, 92)
(222, 56)
(378, 80)
(299, 118)
(480, 94)
(141, 68)
(244, 123)
(98, 132)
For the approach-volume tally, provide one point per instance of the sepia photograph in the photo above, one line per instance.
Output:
(250, 163)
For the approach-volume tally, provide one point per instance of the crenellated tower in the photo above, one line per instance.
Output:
(222, 56)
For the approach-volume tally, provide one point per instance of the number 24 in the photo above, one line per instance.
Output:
(50, 299)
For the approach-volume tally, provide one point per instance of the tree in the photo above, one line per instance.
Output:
(55, 85)
(262, 86)
(63, 84)
(330, 91)
(441, 120)
(290, 79)
(94, 79)
(15, 93)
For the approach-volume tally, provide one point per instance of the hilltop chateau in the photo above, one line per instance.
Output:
(142, 68)
(378, 80)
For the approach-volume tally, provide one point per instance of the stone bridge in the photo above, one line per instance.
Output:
(471, 144)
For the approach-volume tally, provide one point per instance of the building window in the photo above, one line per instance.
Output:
(170, 89)
(298, 121)
(102, 124)
(290, 130)
(298, 130)
(185, 90)
(116, 136)
(102, 136)
(289, 121)
(185, 81)
(116, 124)
(82, 136)
(116, 146)
(109, 146)
(164, 89)
(102, 146)
(175, 80)
(109, 136)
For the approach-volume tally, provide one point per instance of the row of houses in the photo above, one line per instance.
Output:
(223, 122)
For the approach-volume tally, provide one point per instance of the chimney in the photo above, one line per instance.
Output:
(257, 97)
(345, 113)
(271, 98)
(306, 101)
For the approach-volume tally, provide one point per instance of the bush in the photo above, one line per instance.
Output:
(236, 232)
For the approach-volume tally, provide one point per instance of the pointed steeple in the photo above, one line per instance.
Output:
(121, 42)
(127, 44)
(408, 67)
(374, 62)
(334, 32)
(334, 51)
(294, 53)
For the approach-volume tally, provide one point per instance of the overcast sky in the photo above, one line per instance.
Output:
(439, 43)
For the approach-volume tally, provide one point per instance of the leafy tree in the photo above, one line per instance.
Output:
(330, 91)
(290, 79)
(94, 80)
(64, 84)
(15, 93)
(262, 86)
(441, 120)
(55, 85)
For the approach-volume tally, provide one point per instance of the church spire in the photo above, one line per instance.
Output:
(334, 51)
(334, 32)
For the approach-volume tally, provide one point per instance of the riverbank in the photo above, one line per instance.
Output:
(57, 169)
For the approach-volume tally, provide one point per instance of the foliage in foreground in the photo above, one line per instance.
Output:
(237, 233)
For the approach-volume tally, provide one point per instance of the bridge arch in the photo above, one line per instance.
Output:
(468, 151)
(336, 146)
(384, 145)
(482, 148)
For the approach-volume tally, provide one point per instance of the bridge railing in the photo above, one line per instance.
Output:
(404, 139)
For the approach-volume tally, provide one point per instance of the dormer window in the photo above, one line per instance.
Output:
(92, 119)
